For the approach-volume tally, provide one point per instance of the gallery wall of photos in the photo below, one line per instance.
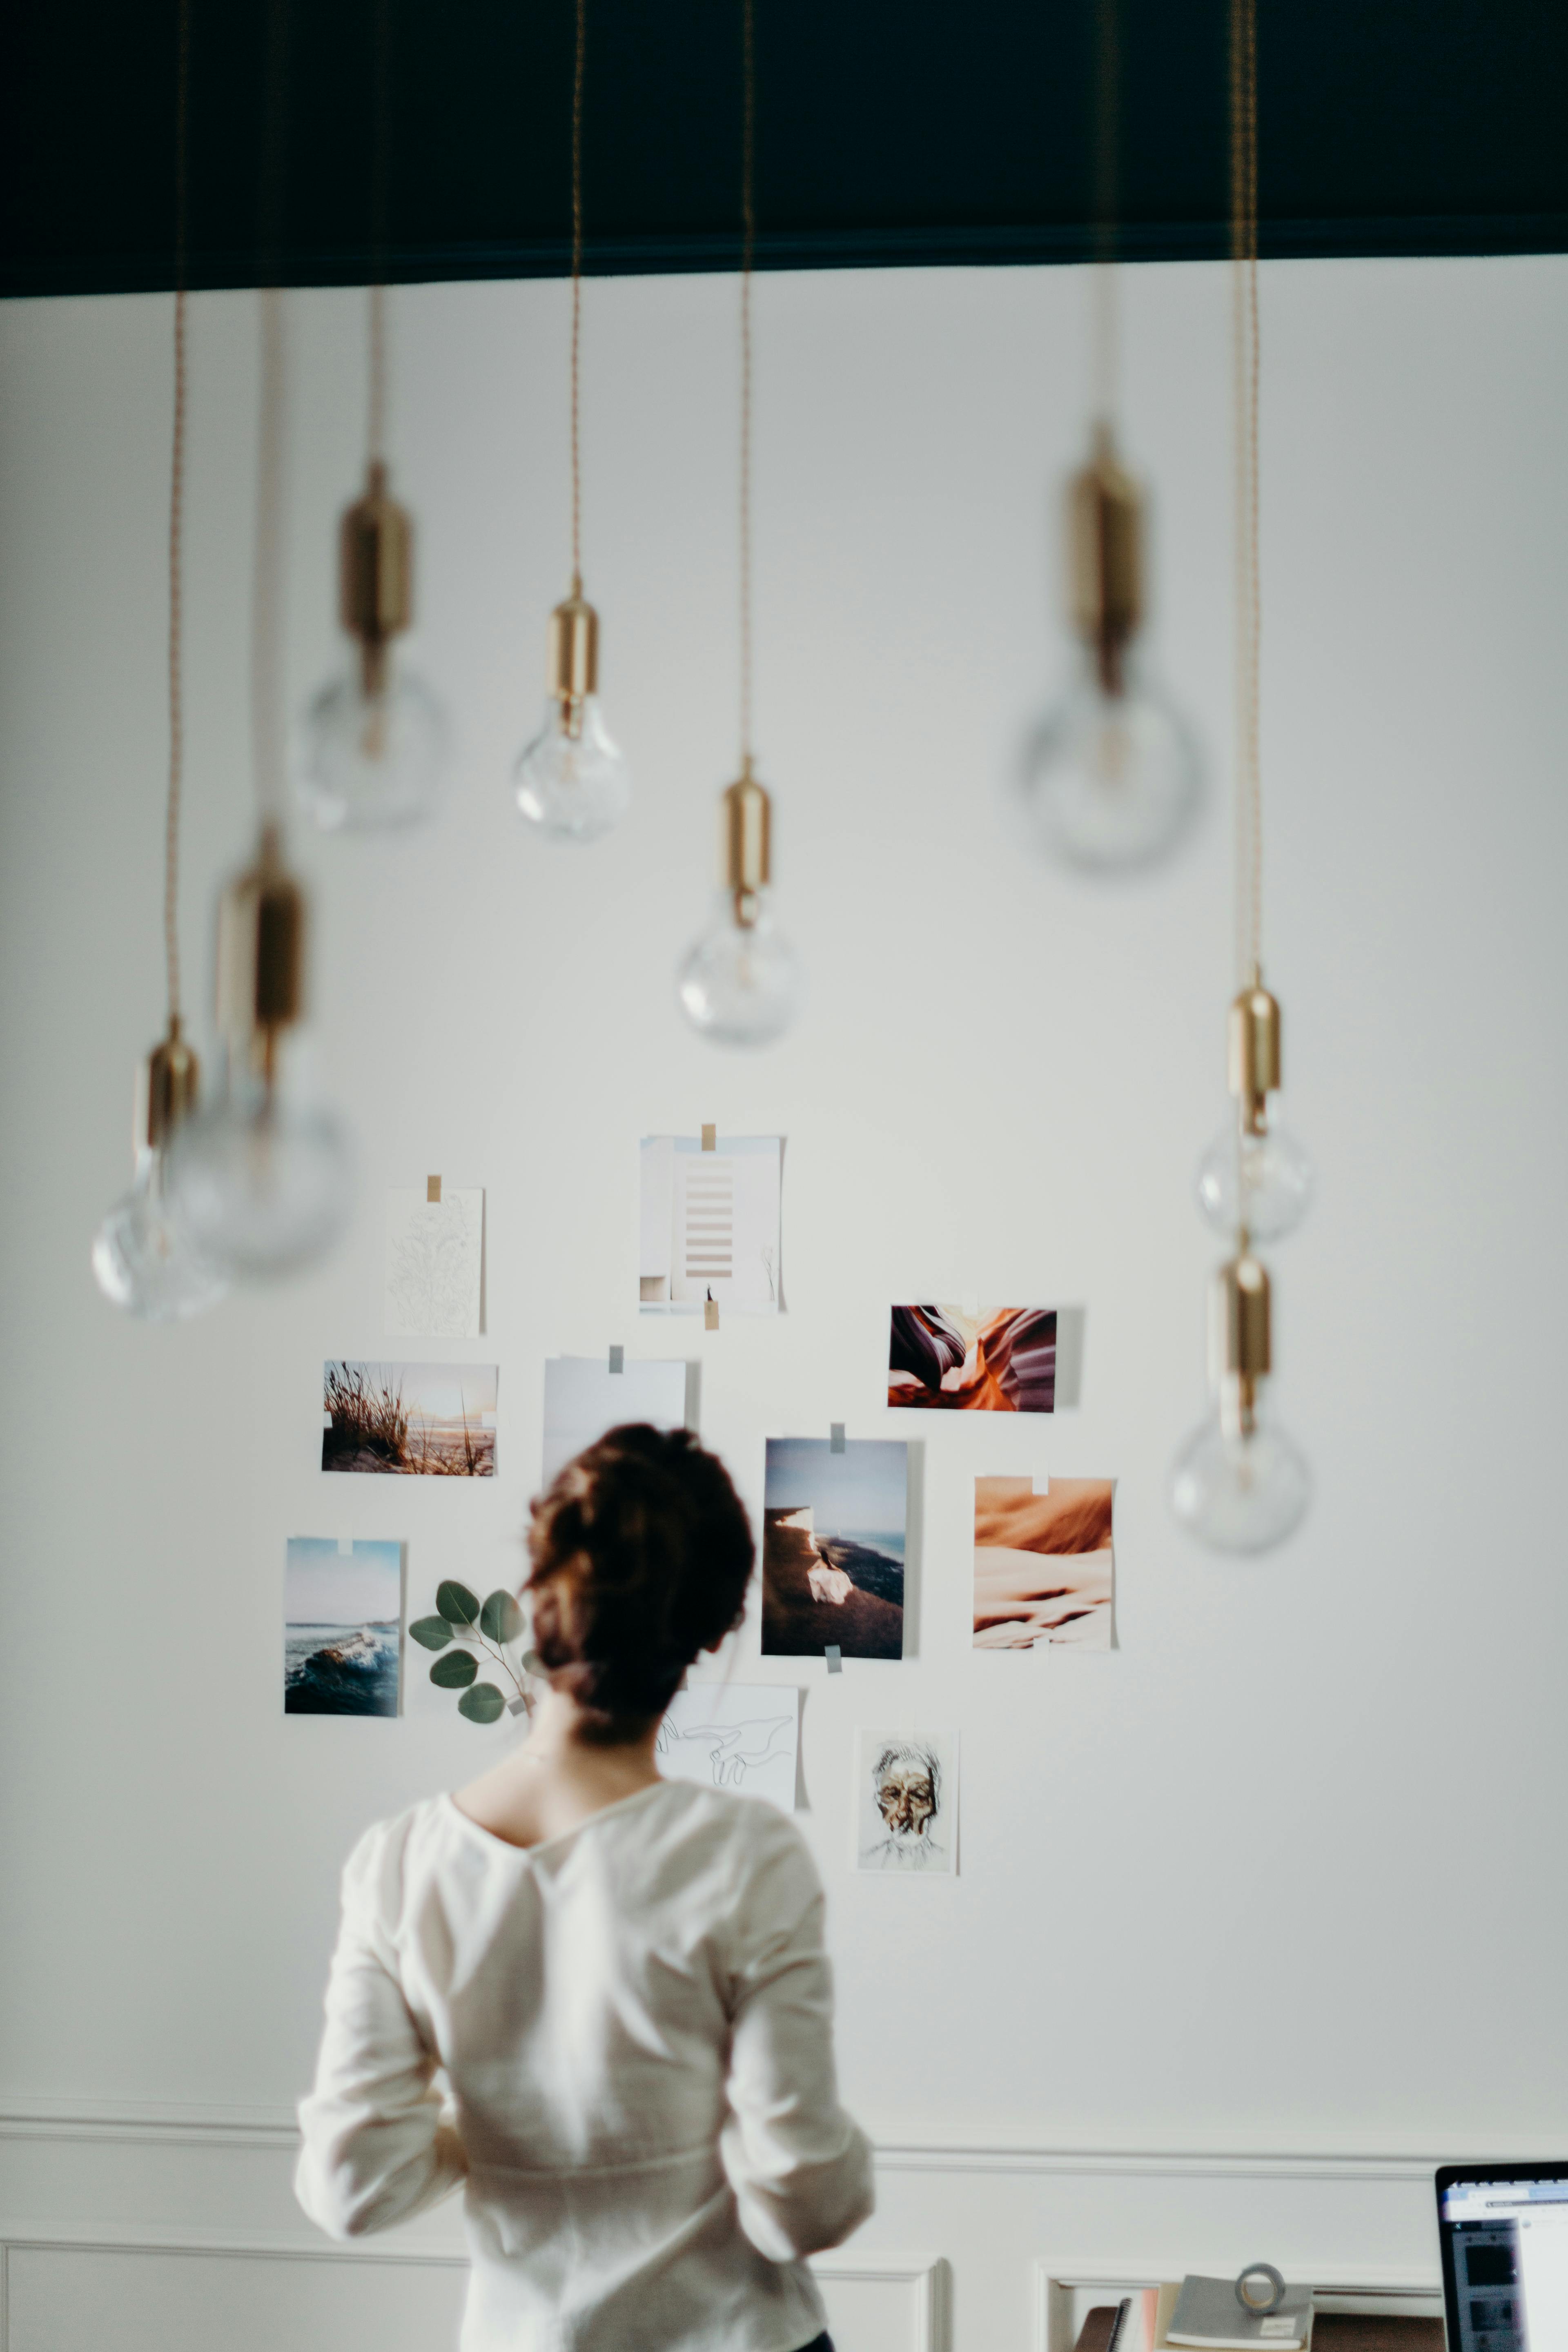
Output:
(360, 1615)
(991, 1104)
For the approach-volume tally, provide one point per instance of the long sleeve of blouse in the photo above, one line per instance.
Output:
(800, 2168)
(375, 2150)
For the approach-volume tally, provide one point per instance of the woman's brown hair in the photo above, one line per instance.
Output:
(642, 1553)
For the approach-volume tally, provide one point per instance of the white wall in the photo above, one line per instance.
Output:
(1280, 1880)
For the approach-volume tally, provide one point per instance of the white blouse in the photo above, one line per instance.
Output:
(634, 2025)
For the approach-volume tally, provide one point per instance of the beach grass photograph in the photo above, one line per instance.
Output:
(833, 1548)
(342, 1627)
(410, 1421)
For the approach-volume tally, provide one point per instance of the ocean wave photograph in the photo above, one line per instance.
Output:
(342, 1627)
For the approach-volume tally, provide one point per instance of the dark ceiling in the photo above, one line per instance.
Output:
(888, 131)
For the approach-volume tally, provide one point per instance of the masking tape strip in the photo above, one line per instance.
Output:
(432, 1188)
(617, 1359)
(710, 1315)
(709, 1139)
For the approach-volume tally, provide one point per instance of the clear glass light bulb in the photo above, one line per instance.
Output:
(571, 781)
(742, 984)
(142, 1257)
(1111, 780)
(1261, 1181)
(1240, 1494)
(373, 752)
(261, 1181)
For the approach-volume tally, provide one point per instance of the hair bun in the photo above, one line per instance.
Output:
(642, 1553)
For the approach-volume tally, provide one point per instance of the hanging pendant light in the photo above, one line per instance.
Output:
(1111, 773)
(261, 1175)
(1240, 1485)
(1255, 1174)
(376, 738)
(142, 1257)
(571, 781)
(742, 984)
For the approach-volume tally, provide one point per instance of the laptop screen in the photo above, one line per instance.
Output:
(1505, 2257)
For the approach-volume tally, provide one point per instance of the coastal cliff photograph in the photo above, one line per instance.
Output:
(833, 1548)
(342, 1627)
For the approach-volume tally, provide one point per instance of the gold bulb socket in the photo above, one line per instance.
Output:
(573, 658)
(745, 836)
(1240, 1340)
(1254, 1055)
(1105, 541)
(375, 574)
(260, 956)
(167, 1083)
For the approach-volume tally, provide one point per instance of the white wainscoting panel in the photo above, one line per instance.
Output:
(159, 2217)
(79, 2295)
(101, 2299)
(883, 2302)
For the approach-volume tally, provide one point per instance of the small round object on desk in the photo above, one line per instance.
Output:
(1260, 2288)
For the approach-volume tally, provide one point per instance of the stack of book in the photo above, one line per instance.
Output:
(1197, 2314)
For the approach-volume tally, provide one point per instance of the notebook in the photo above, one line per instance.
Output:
(1209, 2314)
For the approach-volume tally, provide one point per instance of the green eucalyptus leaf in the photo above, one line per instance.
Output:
(455, 1671)
(482, 1704)
(430, 1633)
(457, 1605)
(500, 1619)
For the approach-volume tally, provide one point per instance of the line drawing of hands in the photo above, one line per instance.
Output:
(735, 1748)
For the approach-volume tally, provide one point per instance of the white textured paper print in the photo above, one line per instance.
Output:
(739, 1736)
(434, 1251)
(710, 1224)
(905, 1805)
(583, 1398)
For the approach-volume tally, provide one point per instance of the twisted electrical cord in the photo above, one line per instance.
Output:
(176, 529)
(1248, 599)
(748, 245)
(579, 62)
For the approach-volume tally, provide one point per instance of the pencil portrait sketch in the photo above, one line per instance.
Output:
(907, 1809)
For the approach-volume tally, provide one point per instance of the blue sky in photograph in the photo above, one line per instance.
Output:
(323, 1586)
(866, 1486)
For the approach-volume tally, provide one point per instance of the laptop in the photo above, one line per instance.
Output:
(1504, 2232)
